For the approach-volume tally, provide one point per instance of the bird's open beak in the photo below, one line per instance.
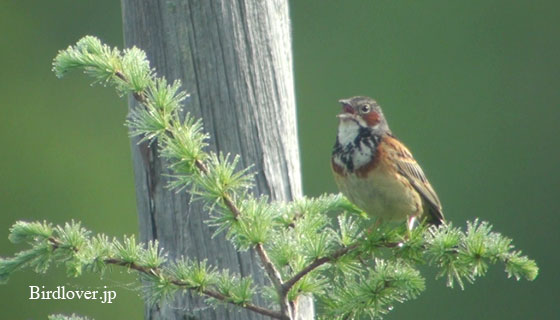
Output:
(347, 111)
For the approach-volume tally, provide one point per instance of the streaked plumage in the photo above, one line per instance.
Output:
(376, 171)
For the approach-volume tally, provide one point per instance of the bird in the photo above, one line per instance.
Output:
(377, 172)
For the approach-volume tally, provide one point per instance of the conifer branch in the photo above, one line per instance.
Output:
(169, 125)
(270, 269)
(97, 253)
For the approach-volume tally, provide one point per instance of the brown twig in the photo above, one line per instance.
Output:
(139, 96)
(209, 292)
(57, 244)
(321, 261)
(156, 272)
(315, 264)
(270, 269)
(252, 307)
(226, 198)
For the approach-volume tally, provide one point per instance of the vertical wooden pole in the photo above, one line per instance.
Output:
(234, 57)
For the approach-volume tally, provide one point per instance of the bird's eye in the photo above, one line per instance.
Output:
(365, 108)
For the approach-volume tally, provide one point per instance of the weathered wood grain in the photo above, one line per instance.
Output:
(234, 58)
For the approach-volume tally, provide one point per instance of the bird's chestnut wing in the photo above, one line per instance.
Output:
(409, 168)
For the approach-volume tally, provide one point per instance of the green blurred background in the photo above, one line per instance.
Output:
(472, 88)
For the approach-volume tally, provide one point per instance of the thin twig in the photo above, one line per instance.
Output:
(139, 96)
(315, 264)
(270, 269)
(209, 292)
(156, 272)
(226, 198)
(252, 307)
(321, 261)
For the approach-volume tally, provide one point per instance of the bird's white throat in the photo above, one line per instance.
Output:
(356, 149)
(348, 130)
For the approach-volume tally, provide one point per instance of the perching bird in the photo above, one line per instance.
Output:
(375, 171)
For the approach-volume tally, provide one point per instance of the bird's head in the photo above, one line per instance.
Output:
(362, 112)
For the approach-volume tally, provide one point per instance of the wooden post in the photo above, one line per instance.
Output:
(235, 59)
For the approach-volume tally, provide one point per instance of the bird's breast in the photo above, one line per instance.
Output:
(375, 187)
(355, 154)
